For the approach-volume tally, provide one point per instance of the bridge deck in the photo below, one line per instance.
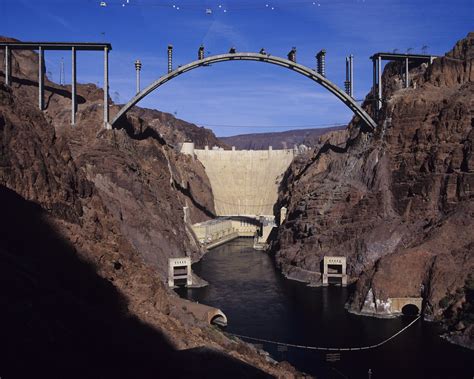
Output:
(89, 46)
(402, 57)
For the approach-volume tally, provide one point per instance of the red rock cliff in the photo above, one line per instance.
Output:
(89, 218)
(398, 203)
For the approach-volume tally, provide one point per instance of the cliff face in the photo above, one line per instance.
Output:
(144, 182)
(397, 203)
(89, 218)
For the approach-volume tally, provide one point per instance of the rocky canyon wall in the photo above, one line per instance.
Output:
(398, 203)
(89, 218)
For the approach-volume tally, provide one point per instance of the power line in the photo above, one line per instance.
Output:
(309, 126)
(326, 348)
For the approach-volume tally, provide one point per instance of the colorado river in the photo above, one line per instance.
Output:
(261, 303)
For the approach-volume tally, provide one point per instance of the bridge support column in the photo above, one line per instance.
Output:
(351, 75)
(321, 63)
(73, 86)
(379, 82)
(170, 58)
(138, 67)
(7, 65)
(106, 88)
(407, 79)
(41, 78)
(347, 81)
(374, 83)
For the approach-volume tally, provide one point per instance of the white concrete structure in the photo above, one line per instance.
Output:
(334, 267)
(245, 182)
(392, 306)
(180, 268)
(216, 232)
(283, 212)
(202, 312)
(398, 303)
(187, 148)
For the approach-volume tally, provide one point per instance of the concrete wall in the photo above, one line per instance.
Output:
(397, 303)
(215, 232)
(245, 182)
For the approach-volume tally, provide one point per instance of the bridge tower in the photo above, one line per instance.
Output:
(170, 58)
(138, 67)
(349, 83)
(321, 62)
(292, 55)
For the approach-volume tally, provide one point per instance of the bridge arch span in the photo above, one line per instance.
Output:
(256, 57)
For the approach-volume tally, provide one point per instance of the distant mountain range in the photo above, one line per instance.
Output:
(278, 140)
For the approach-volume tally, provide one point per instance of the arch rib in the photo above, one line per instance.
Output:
(300, 69)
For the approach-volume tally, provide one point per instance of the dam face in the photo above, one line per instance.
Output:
(245, 182)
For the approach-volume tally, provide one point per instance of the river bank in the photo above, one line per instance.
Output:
(260, 302)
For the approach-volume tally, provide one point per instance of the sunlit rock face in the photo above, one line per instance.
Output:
(398, 203)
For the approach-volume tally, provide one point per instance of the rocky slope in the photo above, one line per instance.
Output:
(174, 130)
(145, 182)
(398, 203)
(89, 218)
(278, 140)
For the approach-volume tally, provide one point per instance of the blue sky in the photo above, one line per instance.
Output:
(249, 96)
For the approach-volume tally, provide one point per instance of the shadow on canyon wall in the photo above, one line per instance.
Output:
(58, 318)
(53, 90)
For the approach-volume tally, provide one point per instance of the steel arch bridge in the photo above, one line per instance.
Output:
(257, 57)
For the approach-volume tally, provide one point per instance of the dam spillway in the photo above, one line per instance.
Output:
(245, 182)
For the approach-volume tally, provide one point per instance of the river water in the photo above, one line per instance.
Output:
(259, 302)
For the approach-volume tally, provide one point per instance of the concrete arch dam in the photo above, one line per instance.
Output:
(245, 182)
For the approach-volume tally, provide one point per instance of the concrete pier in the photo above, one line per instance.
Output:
(170, 58)
(379, 81)
(403, 59)
(40, 78)
(138, 67)
(407, 74)
(41, 47)
(321, 62)
(106, 88)
(7, 65)
(374, 83)
(351, 73)
(73, 86)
